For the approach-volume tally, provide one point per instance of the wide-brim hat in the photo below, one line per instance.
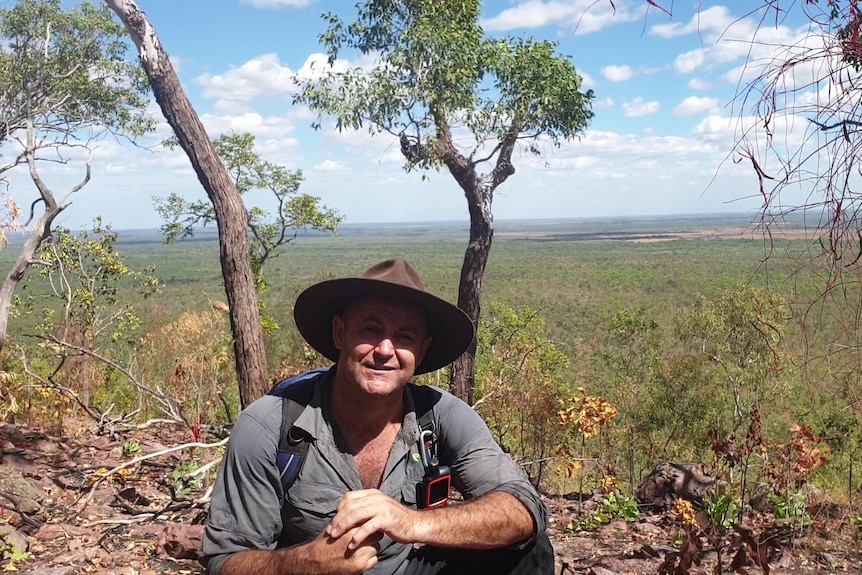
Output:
(450, 328)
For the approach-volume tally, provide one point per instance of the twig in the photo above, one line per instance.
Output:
(104, 475)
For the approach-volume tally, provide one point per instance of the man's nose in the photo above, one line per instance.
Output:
(385, 347)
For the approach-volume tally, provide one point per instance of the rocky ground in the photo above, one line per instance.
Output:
(144, 521)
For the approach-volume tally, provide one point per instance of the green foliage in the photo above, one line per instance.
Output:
(131, 447)
(11, 552)
(741, 332)
(619, 505)
(615, 505)
(722, 510)
(269, 231)
(183, 485)
(791, 507)
(68, 70)
(85, 321)
(435, 69)
(87, 276)
(519, 384)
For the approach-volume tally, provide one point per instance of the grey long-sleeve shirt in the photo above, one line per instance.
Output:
(246, 511)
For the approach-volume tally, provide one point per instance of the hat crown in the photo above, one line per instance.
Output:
(396, 271)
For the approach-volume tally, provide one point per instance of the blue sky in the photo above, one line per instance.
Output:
(665, 117)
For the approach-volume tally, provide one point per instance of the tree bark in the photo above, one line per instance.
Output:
(462, 380)
(230, 212)
(41, 231)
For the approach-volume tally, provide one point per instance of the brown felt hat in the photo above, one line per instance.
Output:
(450, 329)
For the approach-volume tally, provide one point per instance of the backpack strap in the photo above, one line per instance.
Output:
(293, 443)
(424, 398)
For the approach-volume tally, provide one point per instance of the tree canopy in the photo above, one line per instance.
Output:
(65, 80)
(454, 98)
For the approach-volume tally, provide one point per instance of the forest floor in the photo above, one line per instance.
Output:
(141, 522)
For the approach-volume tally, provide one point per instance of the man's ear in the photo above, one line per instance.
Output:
(337, 331)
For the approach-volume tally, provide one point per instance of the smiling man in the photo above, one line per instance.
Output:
(372, 492)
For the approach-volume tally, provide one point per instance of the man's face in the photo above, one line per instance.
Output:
(381, 341)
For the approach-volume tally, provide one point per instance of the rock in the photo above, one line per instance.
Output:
(182, 541)
(672, 480)
(53, 531)
(759, 500)
(67, 570)
(13, 538)
(18, 493)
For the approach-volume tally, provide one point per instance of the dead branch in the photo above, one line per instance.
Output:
(102, 476)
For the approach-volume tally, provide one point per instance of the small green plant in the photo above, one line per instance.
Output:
(131, 447)
(185, 485)
(722, 511)
(615, 505)
(619, 505)
(790, 507)
(11, 552)
(857, 523)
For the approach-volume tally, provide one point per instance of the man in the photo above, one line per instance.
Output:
(353, 507)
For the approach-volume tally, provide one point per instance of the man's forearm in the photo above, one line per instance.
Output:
(322, 556)
(496, 519)
(265, 562)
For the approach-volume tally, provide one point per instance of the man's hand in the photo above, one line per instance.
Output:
(323, 555)
(370, 511)
(343, 554)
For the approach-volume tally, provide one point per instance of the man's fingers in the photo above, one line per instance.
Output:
(369, 533)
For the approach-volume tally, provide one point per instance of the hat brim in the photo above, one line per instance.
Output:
(450, 328)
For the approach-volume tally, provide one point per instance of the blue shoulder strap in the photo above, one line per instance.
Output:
(295, 393)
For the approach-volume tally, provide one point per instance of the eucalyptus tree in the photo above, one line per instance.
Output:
(455, 99)
(269, 230)
(64, 81)
(230, 212)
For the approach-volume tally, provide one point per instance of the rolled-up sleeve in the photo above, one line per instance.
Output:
(245, 511)
(479, 465)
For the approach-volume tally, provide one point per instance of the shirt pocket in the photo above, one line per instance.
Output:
(307, 510)
(408, 489)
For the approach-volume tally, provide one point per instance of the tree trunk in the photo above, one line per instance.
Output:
(462, 380)
(230, 212)
(41, 231)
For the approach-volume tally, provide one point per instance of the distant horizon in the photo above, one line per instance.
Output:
(466, 222)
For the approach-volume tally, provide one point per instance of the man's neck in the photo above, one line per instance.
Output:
(365, 417)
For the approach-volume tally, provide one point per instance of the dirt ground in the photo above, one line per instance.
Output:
(141, 521)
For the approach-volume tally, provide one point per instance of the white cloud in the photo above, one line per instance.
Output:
(728, 38)
(278, 3)
(266, 77)
(690, 61)
(580, 16)
(603, 104)
(711, 20)
(618, 73)
(329, 166)
(263, 75)
(694, 105)
(639, 107)
(699, 84)
(586, 80)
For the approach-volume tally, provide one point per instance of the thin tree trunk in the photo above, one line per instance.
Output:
(230, 212)
(462, 380)
(41, 231)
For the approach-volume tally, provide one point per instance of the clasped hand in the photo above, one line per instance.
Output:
(351, 540)
(370, 511)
